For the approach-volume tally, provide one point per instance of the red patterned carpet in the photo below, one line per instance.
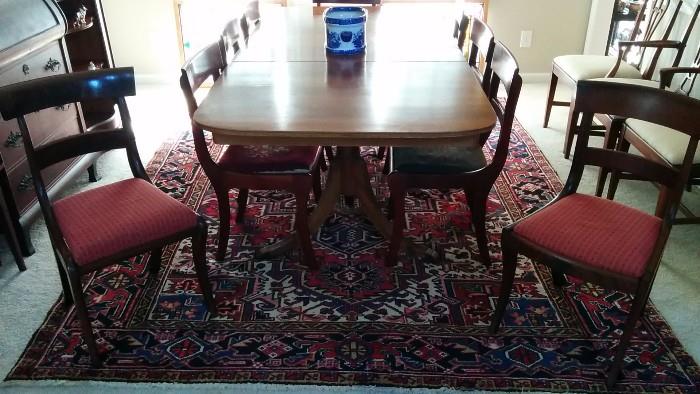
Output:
(353, 321)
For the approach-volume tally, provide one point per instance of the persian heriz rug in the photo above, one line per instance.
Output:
(353, 321)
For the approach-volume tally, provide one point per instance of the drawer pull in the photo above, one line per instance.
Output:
(26, 183)
(53, 65)
(14, 140)
(25, 69)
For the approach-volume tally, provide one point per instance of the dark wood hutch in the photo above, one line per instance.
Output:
(39, 38)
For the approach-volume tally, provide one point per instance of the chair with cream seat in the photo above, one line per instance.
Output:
(658, 143)
(601, 241)
(604, 119)
(570, 69)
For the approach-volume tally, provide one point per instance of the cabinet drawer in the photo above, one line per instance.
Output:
(42, 63)
(22, 184)
(44, 125)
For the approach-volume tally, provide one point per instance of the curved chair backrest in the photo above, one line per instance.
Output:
(23, 98)
(483, 42)
(460, 29)
(506, 73)
(658, 106)
(230, 40)
(205, 64)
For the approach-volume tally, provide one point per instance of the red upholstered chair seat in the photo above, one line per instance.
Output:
(595, 231)
(101, 222)
(269, 159)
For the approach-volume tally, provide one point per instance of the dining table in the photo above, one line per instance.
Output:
(411, 87)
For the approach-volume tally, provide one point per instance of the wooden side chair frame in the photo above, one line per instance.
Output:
(206, 64)
(626, 136)
(109, 84)
(600, 130)
(476, 183)
(626, 101)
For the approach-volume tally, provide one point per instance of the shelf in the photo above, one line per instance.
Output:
(86, 26)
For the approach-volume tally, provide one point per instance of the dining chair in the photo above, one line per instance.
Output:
(106, 225)
(651, 31)
(460, 29)
(8, 228)
(464, 167)
(599, 240)
(481, 52)
(246, 167)
(601, 130)
(479, 38)
(230, 41)
(658, 143)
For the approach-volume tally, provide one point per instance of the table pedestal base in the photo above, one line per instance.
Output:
(348, 176)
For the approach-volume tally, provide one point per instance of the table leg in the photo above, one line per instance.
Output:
(348, 176)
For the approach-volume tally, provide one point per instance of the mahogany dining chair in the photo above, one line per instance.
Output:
(246, 167)
(106, 225)
(457, 166)
(599, 240)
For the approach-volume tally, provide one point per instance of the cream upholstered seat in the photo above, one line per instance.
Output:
(668, 143)
(579, 67)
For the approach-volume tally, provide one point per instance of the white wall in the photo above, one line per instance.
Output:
(143, 34)
(558, 26)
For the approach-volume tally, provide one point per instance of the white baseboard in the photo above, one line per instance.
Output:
(536, 77)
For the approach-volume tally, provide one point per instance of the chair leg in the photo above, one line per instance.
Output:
(640, 300)
(550, 99)
(317, 183)
(623, 146)
(611, 140)
(510, 262)
(387, 162)
(328, 150)
(154, 261)
(199, 257)
(65, 284)
(558, 278)
(84, 318)
(381, 151)
(242, 201)
(571, 130)
(11, 236)
(397, 191)
(477, 205)
(301, 224)
(224, 221)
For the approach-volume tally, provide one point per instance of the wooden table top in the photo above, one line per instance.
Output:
(347, 101)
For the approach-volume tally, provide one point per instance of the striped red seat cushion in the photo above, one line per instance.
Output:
(106, 220)
(595, 231)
